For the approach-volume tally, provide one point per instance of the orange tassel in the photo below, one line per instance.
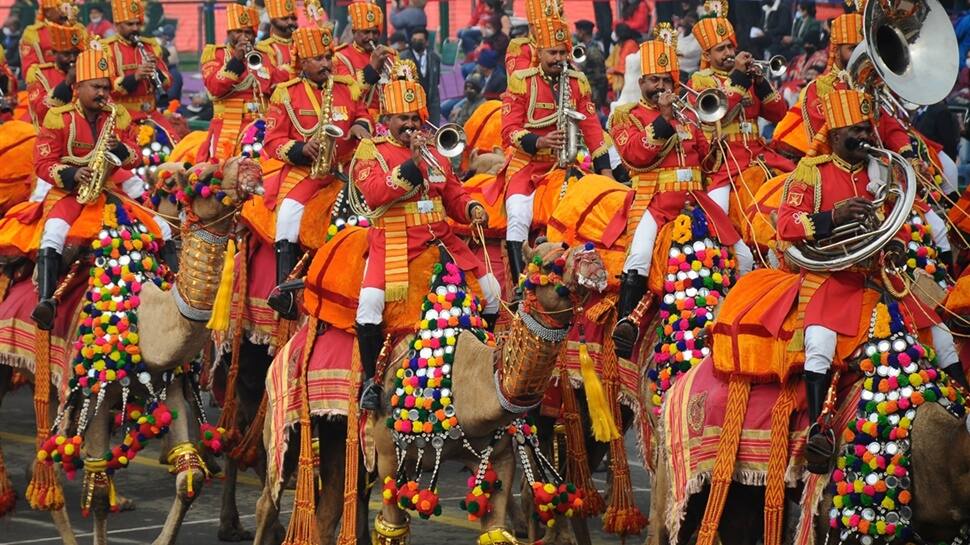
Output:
(348, 522)
(228, 420)
(577, 459)
(303, 523)
(777, 460)
(44, 491)
(246, 452)
(739, 389)
(622, 516)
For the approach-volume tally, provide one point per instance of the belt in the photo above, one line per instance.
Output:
(235, 107)
(409, 214)
(137, 105)
(669, 179)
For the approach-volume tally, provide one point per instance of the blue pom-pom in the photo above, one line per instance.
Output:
(588, 246)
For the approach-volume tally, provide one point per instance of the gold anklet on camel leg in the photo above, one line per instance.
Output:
(184, 457)
(386, 533)
(497, 536)
(95, 477)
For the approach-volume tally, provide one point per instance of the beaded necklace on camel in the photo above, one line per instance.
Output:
(873, 486)
(699, 273)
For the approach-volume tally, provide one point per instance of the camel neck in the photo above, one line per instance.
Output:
(528, 359)
(202, 259)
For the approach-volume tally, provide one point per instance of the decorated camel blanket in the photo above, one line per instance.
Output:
(17, 331)
(328, 384)
(256, 269)
(691, 428)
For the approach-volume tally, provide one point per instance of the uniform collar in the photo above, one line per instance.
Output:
(845, 166)
(394, 141)
(647, 105)
(273, 38)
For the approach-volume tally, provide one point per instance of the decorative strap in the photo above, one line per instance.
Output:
(507, 404)
(189, 312)
(554, 335)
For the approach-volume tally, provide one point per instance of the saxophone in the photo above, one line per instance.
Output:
(567, 121)
(326, 134)
(101, 159)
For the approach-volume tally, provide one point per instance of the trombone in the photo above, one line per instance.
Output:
(710, 105)
(775, 67)
(449, 140)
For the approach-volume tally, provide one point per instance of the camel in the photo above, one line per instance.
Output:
(482, 411)
(178, 332)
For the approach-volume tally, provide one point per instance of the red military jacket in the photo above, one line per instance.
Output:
(351, 60)
(292, 119)
(386, 176)
(746, 102)
(811, 193)
(664, 161)
(238, 95)
(66, 141)
(521, 54)
(35, 45)
(138, 96)
(280, 54)
(45, 89)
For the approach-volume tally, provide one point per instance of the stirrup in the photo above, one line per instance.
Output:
(819, 450)
(623, 344)
(44, 314)
(283, 302)
(370, 395)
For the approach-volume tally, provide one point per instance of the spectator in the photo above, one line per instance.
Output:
(471, 36)
(626, 44)
(595, 65)
(805, 29)
(495, 37)
(99, 25)
(175, 91)
(472, 100)
(776, 24)
(398, 41)
(409, 18)
(429, 70)
(635, 14)
(688, 50)
(603, 10)
(166, 38)
(493, 72)
(938, 123)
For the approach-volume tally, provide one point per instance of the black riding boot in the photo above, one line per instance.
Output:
(280, 301)
(821, 445)
(632, 288)
(48, 265)
(516, 262)
(955, 372)
(370, 339)
(170, 255)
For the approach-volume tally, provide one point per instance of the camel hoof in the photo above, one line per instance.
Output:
(235, 533)
(125, 504)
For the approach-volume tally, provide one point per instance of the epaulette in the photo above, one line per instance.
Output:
(825, 83)
(366, 150)
(209, 53)
(153, 43)
(341, 47)
(584, 87)
(54, 119)
(703, 78)
(122, 118)
(30, 35)
(282, 94)
(355, 89)
(111, 39)
(807, 170)
(515, 46)
(622, 115)
(266, 46)
(516, 83)
(36, 71)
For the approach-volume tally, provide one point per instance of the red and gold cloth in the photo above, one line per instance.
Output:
(239, 17)
(41, 82)
(138, 96)
(550, 32)
(279, 9)
(656, 57)
(94, 63)
(36, 46)
(352, 60)
(365, 15)
(383, 171)
(844, 108)
(310, 42)
(123, 11)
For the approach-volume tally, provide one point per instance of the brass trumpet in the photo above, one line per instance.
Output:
(775, 67)
(578, 53)
(710, 105)
(450, 141)
(254, 59)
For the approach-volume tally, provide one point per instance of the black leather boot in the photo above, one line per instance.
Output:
(48, 265)
(516, 263)
(370, 339)
(955, 372)
(170, 255)
(284, 302)
(821, 445)
(632, 288)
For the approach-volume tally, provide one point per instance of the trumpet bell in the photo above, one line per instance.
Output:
(450, 140)
(254, 60)
(915, 52)
(777, 66)
(579, 54)
(712, 106)
(333, 131)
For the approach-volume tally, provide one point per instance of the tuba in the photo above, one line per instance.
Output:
(567, 121)
(101, 160)
(857, 241)
(326, 134)
(911, 46)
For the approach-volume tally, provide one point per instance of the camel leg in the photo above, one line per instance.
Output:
(96, 439)
(230, 528)
(657, 531)
(504, 466)
(179, 432)
(390, 516)
(269, 531)
(330, 503)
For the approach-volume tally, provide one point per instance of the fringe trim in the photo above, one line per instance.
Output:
(676, 512)
(576, 381)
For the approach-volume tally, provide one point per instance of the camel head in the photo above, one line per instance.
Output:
(209, 193)
(484, 162)
(569, 272)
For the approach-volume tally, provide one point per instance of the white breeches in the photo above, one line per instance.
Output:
(370, 307)
(288, 218)
(820, 344)
(939, 229)
(950, 174)
(641, 247)
(54, 235)
(518, 208)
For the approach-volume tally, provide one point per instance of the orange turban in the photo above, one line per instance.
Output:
(279, 9)
(94, 63)
(715, 27)
(127, 10)
(404, 97)
(537, 10)
(846, 107)
(66, 38)
(241, 17)
(551, 32)
(313, 42)
(364, 15)
(659, 56)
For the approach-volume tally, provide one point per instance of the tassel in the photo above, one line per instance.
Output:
(348, 522)
(604, 428)
(219, 321)
(44, 492)
(228, 418)
(577, 460)
(303, 523)
(246, 453)
(8, 497)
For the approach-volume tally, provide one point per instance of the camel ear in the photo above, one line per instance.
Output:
(527, 252)
(473, 155)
